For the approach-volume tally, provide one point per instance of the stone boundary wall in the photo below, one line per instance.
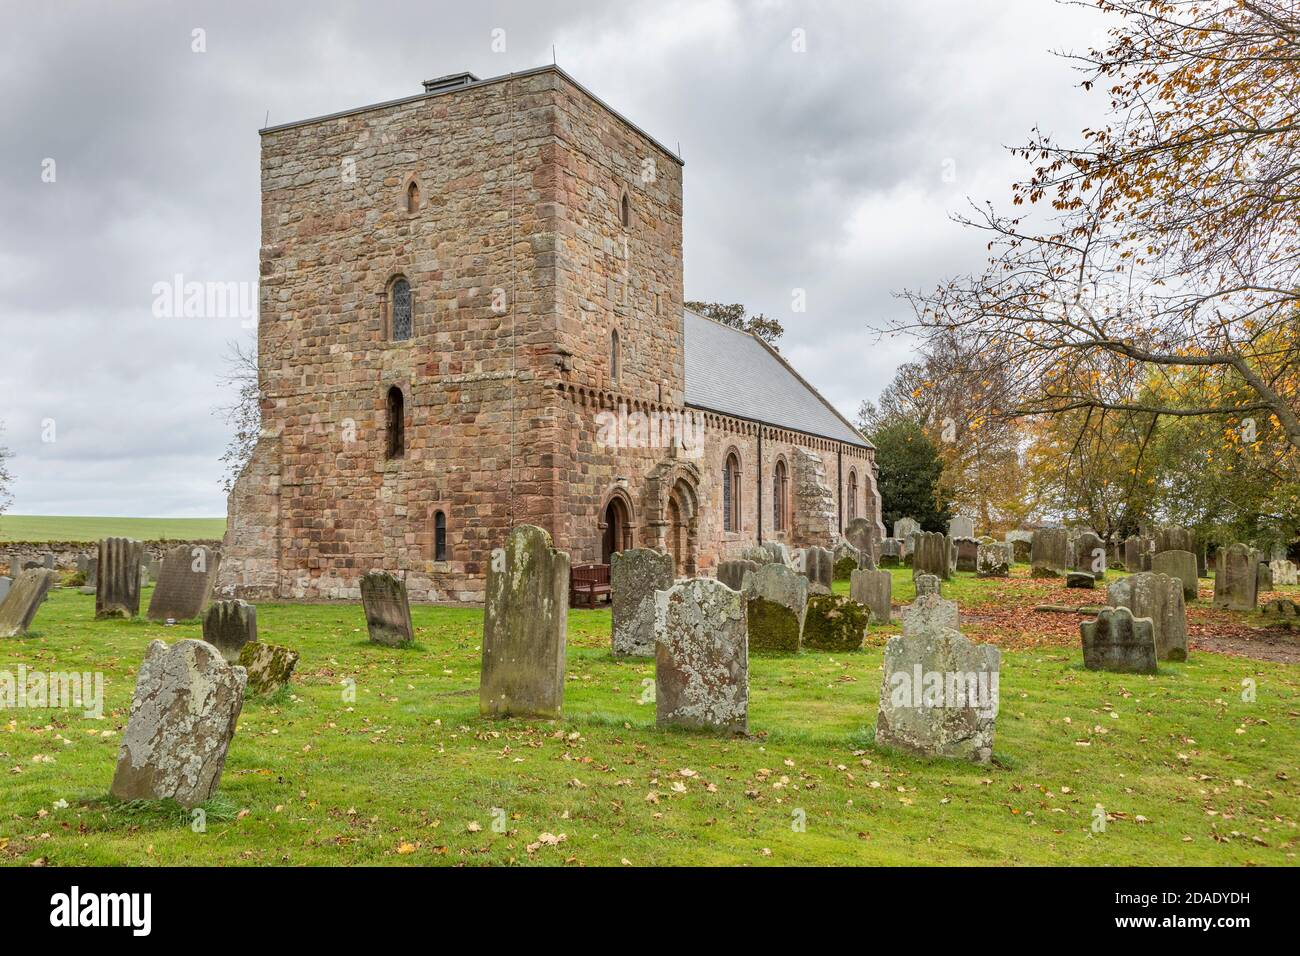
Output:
(66, 552)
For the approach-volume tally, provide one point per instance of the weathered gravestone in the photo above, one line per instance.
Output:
(732, 573)
(926, 584)
(24, 599)
(1159, 598)
(778, 553)
(818, 566)
(388, 612)
(906, 527)
(874, 590)
(991, 561)
(1180, 565)
(1263, 578)
(1133, 547)
(861, 534)
(1090, 554)
(1175, 539)
(939, 695)
(968, 550)
(1284, 573)
(1049, 553)
(961, 527)
(835, 623)
(931, 555)
(1117, 641)
(1022, 550)
(269, 666)
(776, 601)
(117, 582)
(153, 567)
(701, 657)
(228, 626)
(1235, 580)
(848, 559)
(524, 622)
(1080, 579)
(635, 575)
(891, 553)
(187, 702)
(1282, 612)
(5, 584)
(184, 584)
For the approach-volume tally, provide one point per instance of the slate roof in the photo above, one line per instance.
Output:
(738, 374)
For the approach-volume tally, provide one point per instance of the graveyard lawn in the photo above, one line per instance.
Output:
(1179, 767)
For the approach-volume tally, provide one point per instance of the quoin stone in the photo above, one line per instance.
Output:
(524, 623)
(701, 657)
(187, 702)
(117, 582)
(635, 575)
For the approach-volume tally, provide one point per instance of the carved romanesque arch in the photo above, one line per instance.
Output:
(616, 522)
(672, 512)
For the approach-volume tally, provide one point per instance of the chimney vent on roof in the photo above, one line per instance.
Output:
(449, 82)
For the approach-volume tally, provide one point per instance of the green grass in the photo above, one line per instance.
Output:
(75, 528)
(1188, 772)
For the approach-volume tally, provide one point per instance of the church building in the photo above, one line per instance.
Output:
(471, 317)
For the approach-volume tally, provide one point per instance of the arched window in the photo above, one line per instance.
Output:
(853, 495)
(780, 489)
(439, 536)
(396, 423)
(625, 211)
(399, 309)
(413, 198)
(615, 358)
(731, 493)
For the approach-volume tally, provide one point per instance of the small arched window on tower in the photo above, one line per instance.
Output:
(615, 358)
(780, 488)
(440, 536)
(625, 211)
(396, 430)
(399, 310)
(853, 495)
(731, 493)
(413, 198)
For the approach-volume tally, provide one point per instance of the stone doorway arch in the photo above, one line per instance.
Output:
(616, 524)
(673, 513)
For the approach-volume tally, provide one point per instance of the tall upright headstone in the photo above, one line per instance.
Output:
(701, 657)
(819, 569)
(732, 573)
(228, 626)
(185, 583)
(1090, 554)
(25, 598)
(387, 609)
(931, 555)
(524, 620)
(1180, 565)
(1049, 553)
(634, 576)
(968, 550)
(117, 581)
(1283, 573)
(1159, 598)
(873, 589)
(187, 702)
(906, 527)
(1235, 580)
(861, 533)
(961, 526)
(1133, 553)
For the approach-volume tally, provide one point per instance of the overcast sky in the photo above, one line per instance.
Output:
(832, 170)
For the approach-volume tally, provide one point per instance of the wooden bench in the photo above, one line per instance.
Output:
(590, 581)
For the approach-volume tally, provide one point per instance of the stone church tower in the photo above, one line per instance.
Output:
(471, 317)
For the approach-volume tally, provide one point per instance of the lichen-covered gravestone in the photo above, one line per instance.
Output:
(184, 583)
(1118, 641)
(1180, 565)
(117, 579)
(848, 559)
(939, 695)
(992, 561)
(931, 555)
(1049, 553)
(187, 702)
(269, 666)
(834, 623)
(778, 553)
(701, 657)
(635, 575)
(819, 569)
(524, 620)
(961, 526)
(387, 609)
(228, 626)
(904, 527)
(24, 599)
(1159, 598)
(926, 584)
(873, 589)
(776, 600)
(732, 573)
(1284, 573)
(1235, 580)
